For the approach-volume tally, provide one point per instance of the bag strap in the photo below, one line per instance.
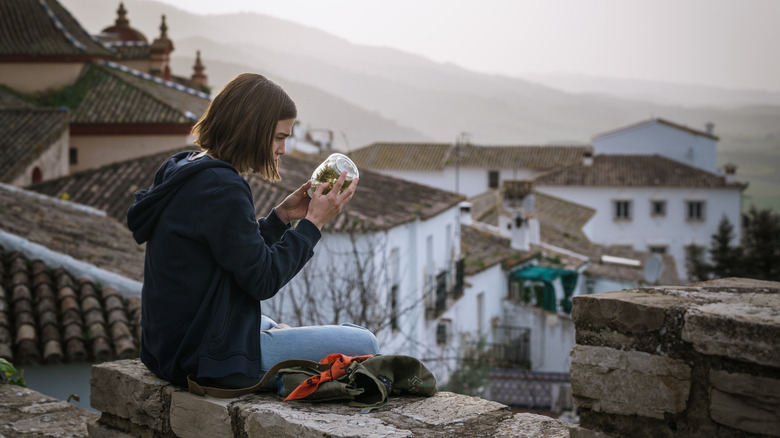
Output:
(213, 391)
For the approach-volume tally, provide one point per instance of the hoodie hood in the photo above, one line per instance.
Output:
(149, 203)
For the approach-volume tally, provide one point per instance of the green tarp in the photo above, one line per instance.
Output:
(548, 276)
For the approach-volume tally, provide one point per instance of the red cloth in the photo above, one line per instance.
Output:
(339, 364)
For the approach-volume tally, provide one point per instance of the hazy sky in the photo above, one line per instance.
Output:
(726, 43)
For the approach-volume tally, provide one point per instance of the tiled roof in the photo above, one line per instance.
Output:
(558, 216)
(482, 249)
(106, 93)
(662, 122)
(437, 156)
(125, 51)
(632, 171)
(381, 202)
(43, 28)
(10, 99)
(109, 188)
(71, 229)
(48, 316)
(25, 134)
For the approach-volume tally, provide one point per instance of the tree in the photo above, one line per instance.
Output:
(698, 269)
(726, 259)
(761, 244)
(757, 257)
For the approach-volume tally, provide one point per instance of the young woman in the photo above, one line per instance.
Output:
(210, 262)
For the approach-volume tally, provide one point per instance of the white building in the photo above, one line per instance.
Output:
(647, 202)
(658, 136)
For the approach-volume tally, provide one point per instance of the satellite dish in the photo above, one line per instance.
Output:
(654, 267)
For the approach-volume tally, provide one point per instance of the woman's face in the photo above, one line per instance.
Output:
(283, 130)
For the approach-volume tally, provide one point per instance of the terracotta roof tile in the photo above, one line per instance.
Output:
(64, 320)
(437, 156)
(482, 249)
(70, 229)
(632, 171)
(43, 28)
(25, 134)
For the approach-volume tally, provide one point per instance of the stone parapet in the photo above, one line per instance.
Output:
(701, 360)
(136, 403)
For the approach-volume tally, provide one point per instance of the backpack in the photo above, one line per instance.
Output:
(364, 381)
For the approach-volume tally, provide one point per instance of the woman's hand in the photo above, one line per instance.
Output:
(324, 208)
(295, 206)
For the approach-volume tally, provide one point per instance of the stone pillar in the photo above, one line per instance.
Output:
(693, 361)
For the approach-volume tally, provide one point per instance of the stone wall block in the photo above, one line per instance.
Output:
(747, 330)
(626, 311)
(195, 416)
(628, 382)
(290, 420)
(745, 402)
(126, 389)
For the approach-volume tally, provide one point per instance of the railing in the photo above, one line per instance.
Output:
(443, 287)
(510, 348)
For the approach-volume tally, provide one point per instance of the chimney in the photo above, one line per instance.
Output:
(710, 128)
(587, 156)
(730, 170)
(523, 231)
(465, 213)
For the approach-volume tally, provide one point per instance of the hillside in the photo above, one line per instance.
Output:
(368, 94)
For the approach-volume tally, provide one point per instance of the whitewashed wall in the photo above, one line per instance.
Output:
(35, 77)
(657, 138)
(416, 259)
(98, 150)
(53, 163)
(645, 230)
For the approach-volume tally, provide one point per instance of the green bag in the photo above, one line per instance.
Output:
(367, 384)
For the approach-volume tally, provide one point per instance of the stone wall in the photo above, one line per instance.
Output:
(701, 360)
(134, 403)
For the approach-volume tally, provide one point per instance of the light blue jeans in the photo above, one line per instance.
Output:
(310, 343)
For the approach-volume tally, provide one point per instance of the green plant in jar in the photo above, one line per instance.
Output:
(328, 172)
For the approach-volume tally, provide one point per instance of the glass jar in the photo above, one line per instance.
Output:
(328, 172)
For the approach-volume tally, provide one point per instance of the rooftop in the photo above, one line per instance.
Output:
(26, 133)
(633, 171)
(49, 316)
(660, 122)
(381, 202)
(43, 29)
(437, 156)
(108, 93)
(79, 232)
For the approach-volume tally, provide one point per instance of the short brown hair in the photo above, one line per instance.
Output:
(240, 123)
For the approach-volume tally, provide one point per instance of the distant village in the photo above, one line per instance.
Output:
(449, 247)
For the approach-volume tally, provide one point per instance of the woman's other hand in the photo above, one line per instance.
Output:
(323, 208)
(295, 206)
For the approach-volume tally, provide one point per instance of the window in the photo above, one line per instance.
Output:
(443, 332)
(37, 175)
(657, 249)
(480, 312)
(395, 278)
(658, 208)
(493, 179)
(73, 156)
(622, 210)
(695, 210)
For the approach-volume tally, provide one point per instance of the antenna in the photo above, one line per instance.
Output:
(654, 267)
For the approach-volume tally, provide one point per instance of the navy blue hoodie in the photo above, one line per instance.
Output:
(209, 263)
